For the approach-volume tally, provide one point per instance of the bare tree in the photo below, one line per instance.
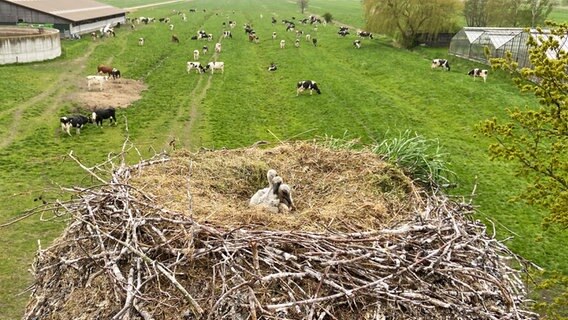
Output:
(536, 11)
(517, 13)
(475, 12)
(303, 5)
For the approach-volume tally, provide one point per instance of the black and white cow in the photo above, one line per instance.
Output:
(307, 85)
(215, 66)
(365, 34)
(115, 73)
(441, 63)
(272, 67)
(227, 34)
(76, 121)
(195, 65)
(357, 44)
(482, 73)
(99, 115)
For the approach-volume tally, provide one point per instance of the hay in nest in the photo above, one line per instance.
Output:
(332, 189)
(175, 239)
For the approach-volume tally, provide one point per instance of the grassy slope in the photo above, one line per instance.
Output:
(370, 93)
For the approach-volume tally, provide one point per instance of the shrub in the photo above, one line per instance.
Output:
(327, 17)
(419, 157)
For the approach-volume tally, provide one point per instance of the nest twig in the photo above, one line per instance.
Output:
(124, 256)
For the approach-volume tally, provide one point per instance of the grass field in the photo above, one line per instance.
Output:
(371, 93)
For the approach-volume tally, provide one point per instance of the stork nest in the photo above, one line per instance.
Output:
(174, 238)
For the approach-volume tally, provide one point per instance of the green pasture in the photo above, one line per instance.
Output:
(375, 92)
(559, 14)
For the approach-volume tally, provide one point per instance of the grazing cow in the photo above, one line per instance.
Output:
(99, 115)
(195, 54)
(204, 49)
(215, 65)
(248, 29)
(315, 42)
(94, 36)
(195, 65)
(297, 43)
(227, 34)
(194, 38)
(282, 44)
(273, 20)
(140, 41)
(93, 80)
(272, 67)
(482, 73)
(308, 37)
(115, 73)
(307, 85)
(201, 34)
(76, 121)
(273, 35)
(171, 27)
(218, 47)
(441, 63)
(365, 34)
(343, 33)
(357, 44)
(252, 36)
(102, 69)
(175, 38)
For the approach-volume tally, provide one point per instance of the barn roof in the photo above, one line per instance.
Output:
(72, 10)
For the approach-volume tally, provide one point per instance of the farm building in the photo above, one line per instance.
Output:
(470, 42)
(70, 17)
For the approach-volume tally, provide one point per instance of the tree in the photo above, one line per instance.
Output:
(534, 12)
(475, 13)
(503, 13)
(517, 13)
(536, 139)
(404, 20)
(303, 5)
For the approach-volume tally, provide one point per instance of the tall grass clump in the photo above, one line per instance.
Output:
(420, 158)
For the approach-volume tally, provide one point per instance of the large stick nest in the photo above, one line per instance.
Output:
(174, 238)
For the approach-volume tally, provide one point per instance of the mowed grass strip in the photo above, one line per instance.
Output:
(371, 93)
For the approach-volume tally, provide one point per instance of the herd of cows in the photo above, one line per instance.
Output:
(475, 73)
(77, 121)
(104, 73)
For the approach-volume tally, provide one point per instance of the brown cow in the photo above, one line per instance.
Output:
(104, 69)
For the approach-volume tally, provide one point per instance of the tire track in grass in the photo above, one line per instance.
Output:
(56, 90)
(197, 95)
